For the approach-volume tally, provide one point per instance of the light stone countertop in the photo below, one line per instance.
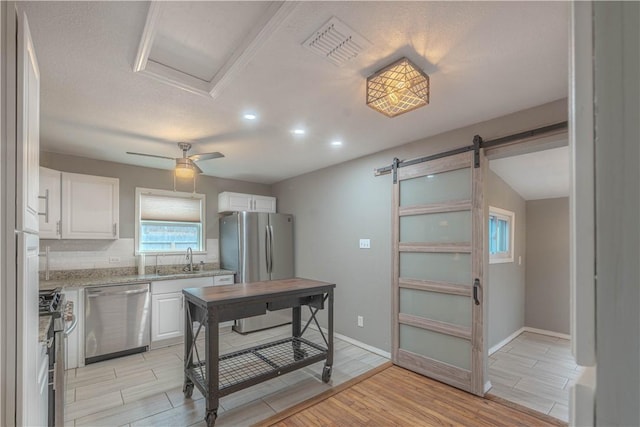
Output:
(83, 282)
(43, 327)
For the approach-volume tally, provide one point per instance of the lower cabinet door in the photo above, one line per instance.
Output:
(167, 316)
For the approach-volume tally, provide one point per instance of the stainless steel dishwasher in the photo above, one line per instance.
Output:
(117, 321)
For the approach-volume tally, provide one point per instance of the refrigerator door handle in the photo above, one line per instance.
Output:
(270, 249)
(267, 248)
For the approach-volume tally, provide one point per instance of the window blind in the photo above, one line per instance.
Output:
(166, 208)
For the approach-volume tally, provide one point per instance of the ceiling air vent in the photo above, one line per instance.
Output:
(336, 42)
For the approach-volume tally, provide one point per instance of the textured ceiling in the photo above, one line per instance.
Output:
(485, 60)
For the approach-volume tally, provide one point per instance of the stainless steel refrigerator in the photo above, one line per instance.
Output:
(258, 246)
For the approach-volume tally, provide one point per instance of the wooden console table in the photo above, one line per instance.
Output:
(218, 375)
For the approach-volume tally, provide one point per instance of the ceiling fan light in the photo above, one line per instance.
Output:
(398, 88)
(184, 171)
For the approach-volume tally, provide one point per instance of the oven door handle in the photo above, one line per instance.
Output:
(74, 323)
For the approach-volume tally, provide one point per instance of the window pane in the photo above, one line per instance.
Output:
(493, 235)
(434, 345)
(436, 228)
(503, 236)
(440, 187)
(169, 236)
(441, 267)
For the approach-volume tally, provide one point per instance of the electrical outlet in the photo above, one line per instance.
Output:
(365, 243)
(361, 321)
(114, 259)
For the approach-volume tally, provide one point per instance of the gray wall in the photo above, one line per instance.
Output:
(507, 280)
(617, 196)
(547, 277)
(136, 176)
(336, 206)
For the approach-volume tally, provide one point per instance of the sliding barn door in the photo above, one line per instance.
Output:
(438, 262)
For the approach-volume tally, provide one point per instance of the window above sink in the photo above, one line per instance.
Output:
(169, 222)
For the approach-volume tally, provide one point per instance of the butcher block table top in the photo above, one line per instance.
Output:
(256, 291)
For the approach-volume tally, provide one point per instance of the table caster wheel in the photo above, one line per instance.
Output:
(187, 389)
(211, 418)
(326, 374)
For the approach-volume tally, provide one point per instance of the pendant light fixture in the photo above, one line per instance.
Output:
(398, 88)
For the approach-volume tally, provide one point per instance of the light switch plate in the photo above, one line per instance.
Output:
(365, 243)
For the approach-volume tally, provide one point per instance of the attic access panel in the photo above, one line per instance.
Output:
(201, 46)
(198, 37)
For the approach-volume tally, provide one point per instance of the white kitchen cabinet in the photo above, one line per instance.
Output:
(225, 279)
(167, 306)
(90, 207)
(77, 206)
(167, 316)
(50, 203)
(234, 202)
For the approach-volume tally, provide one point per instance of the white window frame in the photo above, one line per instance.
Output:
(510, 217)
(175, 194)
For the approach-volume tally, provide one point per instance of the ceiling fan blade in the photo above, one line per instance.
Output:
(150, 155)
(206, 156)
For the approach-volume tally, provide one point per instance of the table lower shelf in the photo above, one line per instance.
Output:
(251, 366)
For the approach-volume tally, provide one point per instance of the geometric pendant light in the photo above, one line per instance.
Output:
(398, 88)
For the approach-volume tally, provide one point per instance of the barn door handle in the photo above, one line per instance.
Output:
(476, 286)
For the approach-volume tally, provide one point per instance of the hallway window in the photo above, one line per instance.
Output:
(501, 235)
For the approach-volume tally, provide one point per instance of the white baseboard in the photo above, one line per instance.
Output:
(527, 329)
(357, 343)
(547, 333)
(505, 341)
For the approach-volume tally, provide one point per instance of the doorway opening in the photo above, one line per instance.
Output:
(530, 361)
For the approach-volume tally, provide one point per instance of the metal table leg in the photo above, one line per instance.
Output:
(296, 332)
(187, 387)
(328, 365)
(211, 343)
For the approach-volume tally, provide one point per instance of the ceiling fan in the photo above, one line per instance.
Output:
(186, 166)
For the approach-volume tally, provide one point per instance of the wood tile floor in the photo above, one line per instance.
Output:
(146, 389)
(535, 371)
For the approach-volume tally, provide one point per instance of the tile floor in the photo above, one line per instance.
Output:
(535, 371)
(146, 389)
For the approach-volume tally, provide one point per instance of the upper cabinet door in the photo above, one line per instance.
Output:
(50, 203)
(239, 202)
(90, 207)
(233, 202)
(264, 204)
(27, 130)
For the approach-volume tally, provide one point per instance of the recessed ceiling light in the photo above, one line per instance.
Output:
(250, 116)
(336, 143)
(298, 131)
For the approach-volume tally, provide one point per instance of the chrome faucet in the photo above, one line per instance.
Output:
(189, 267)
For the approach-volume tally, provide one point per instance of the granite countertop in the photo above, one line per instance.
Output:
(43, 328)
(81, 282)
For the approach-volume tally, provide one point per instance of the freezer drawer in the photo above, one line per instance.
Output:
(117, 321)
